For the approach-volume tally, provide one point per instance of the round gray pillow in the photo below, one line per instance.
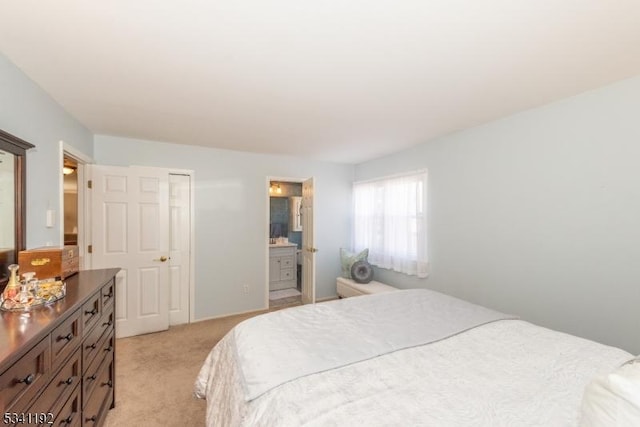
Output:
(361, 272)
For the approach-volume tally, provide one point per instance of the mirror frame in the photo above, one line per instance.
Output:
(18, 148)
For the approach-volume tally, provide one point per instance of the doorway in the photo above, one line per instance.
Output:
(73, 217)
(70, 201)
(291, 271)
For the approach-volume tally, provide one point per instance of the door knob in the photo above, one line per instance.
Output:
(161, 259)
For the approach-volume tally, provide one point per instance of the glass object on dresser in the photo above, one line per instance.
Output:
(12, 201)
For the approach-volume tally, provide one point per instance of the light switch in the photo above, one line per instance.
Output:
(51, 218)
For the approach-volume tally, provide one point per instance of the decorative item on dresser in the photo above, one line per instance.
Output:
(57, 362)
(50, 261)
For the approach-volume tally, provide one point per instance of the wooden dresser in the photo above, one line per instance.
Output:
(57, 362)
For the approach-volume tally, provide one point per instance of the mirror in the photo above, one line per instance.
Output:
(12, 197)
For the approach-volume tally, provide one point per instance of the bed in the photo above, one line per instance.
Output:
(414, 357)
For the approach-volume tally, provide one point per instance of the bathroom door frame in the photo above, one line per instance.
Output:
(294, 180)
(84, 216)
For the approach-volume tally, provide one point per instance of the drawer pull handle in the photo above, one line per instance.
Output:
(28, 379)
(109, 323)
(109, 348)
(69, 381)
(92, 346)
(91, 312)
(91, 378)
(67, 337)
(92, 419)
(108, 383)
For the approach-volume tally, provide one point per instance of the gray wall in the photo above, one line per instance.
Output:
(538, 214)
(27, 112)
(231, 214)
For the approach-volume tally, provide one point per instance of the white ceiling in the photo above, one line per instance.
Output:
(337, 80)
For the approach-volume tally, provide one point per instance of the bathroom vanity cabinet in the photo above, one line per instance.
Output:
(282, 266)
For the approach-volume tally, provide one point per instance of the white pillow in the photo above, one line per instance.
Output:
(613, 400)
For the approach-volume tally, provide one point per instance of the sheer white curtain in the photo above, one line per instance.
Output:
(390, 219)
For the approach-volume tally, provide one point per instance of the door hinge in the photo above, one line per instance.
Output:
(89, 184)
(90, 249)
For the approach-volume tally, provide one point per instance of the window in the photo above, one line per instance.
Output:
(390, 219)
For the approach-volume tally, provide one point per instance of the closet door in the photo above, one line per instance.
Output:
(130, 223)
(179, 248)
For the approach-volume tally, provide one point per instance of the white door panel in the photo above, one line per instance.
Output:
(149, 292)
(174, 297)
(180, 247)
(130, 222)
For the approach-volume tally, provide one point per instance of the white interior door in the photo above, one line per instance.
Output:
(308, 245)
(179, 248)
(130, 219)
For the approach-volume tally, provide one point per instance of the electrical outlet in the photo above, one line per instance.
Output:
(246, 289)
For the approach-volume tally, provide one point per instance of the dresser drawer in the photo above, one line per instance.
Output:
(91, 311)
(25, 378)
(99, 402)
(108, 319)
(91, 346)
(108, 294)
(61, 386)
(68, 414)
(103, 357)
(65, 339)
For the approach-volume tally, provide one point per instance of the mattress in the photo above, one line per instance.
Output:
(505, 372)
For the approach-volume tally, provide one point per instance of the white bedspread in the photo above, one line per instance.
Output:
(284, 345)
(504, 373)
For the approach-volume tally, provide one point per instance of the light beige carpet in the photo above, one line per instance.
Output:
(277, 304)
(155, 374)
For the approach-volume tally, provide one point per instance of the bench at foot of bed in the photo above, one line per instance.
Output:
(349, 288)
